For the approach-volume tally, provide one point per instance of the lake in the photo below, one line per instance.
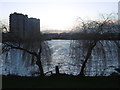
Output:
(11, 63)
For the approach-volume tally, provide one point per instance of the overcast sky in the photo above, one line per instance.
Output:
(58, 14)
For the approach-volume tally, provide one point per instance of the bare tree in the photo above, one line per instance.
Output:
(86, 47)
(32, 48)
(3, 27)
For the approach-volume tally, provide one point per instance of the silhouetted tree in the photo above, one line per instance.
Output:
(33, 48)
(86, 47)
(3, 27)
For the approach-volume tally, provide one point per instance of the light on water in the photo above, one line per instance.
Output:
(60, 57)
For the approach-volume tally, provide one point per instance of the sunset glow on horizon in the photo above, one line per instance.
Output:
(58, 14)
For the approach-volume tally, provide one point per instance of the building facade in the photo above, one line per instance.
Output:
(24, 27)
(119, 11)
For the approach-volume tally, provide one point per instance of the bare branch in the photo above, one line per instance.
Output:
(20, 48)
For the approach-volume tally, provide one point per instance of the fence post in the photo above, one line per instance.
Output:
(57, 70)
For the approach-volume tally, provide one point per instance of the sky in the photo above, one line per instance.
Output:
(58, 14)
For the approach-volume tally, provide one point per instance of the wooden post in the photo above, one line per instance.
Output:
(57, 70)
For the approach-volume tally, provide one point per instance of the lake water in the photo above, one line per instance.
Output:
(60, 57)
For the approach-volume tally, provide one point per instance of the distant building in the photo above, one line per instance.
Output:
(24, 27)
(119, 11)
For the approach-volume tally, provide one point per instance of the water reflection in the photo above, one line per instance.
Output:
(60, 56)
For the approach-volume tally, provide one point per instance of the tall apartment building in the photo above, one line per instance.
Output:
(24, 27)
(119, 11)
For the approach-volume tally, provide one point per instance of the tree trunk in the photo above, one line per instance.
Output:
(38, 62)
(85, 62)
(90, 48)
